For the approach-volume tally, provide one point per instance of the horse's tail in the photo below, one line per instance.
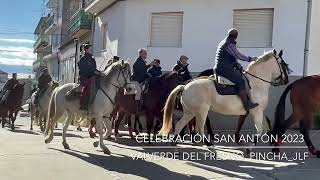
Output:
(168, 110)
(280, 110)
(51, 112)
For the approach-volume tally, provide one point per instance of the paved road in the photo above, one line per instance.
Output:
(24, 156)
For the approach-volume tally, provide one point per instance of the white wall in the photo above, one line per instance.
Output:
(67, 64)
(205, 25)
(115, 20)
(314, 49)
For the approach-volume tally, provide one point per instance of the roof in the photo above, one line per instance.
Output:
(2, 72)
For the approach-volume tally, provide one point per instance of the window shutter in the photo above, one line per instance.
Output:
(166, 29)
(255, 27)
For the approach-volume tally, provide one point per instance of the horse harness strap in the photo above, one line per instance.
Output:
(270, 82)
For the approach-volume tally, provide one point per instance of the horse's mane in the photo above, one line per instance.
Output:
(265, 57)
(113, 68)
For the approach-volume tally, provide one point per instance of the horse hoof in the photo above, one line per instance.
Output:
(208, 143)
(106, 151)
(132, 137)
(96, 144)
(247, 151)
(66, 146)
(31, 129)
(276, 151)
(79, 129)
(107, 137)
(92, 134)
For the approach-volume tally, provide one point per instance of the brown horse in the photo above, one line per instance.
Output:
(12, 106)
(305, 100)
(153, 101)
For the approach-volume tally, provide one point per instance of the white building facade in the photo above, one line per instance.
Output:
(170, 28)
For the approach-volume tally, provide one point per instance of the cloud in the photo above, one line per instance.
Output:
(17, 40)
(16, 55)
(16, 61)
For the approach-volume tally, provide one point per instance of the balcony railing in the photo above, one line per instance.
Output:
(50, 22)
(81, 22)
(41, 41)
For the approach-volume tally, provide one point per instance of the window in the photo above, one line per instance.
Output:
(166, 29)
(255, 27)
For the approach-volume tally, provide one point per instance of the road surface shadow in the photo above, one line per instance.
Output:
(26, 132)
(126, 165)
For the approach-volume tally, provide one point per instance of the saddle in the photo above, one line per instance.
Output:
(74, 93)
(223, 85)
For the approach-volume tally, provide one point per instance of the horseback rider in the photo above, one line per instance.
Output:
(182, 68)
(8, 87)
(43, 84)
(87, 73)
(139, 75)
(155, 70)
(226, 65)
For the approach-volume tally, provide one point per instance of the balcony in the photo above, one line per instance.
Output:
(50, 24)
(42, 41)
(45, 50)
(81, 23)
(95, 6)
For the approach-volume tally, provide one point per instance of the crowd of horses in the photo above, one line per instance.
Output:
(195, 98)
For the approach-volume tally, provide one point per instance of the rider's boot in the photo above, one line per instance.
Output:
(247, 103)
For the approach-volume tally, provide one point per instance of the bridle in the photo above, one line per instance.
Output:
(121, 72)
(279, 80)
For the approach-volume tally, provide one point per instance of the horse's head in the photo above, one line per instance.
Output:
(173, 79)
(281, 75)
(272, 62)
(119, 74)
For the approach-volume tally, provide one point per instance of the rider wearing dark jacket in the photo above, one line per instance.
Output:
(8, 87)
(182, 68)
(43, 84)
(87, 71)
(155, 70)
(226, 65)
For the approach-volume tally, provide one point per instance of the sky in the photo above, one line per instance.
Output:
(17, 23)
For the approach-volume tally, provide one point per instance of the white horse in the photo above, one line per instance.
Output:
(116, 76)
(39, 113)
(200, 96)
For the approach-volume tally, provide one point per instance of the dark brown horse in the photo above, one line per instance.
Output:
(153, 101)
(12, 106)
(305, 100)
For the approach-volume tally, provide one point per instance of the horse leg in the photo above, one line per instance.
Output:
(31, 118)
(304, 129)
(99, 124)
(129, 120)
(91, 126)
(117, 122)
(140, 125)
(108, 123)
(201, 117)
(51, 123)
(181, 124)
(241, 120)
(135, 125)
(208, 125)
(13, 119)
(40, 120)
(150, 119)
(70, 118)
(156, 129)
